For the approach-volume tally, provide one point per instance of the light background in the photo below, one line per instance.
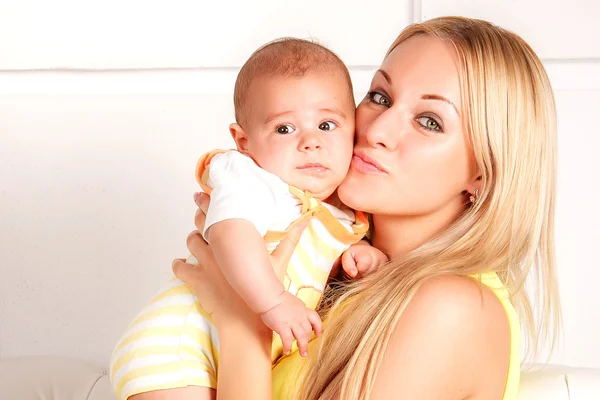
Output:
(105, 107)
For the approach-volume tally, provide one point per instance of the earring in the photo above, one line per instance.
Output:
(474, 196)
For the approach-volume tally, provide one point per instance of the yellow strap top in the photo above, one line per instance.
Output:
(492, 281)
(284, 373)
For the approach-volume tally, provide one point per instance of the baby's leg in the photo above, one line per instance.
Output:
(170, 345)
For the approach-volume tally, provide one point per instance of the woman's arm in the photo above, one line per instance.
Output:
(452, 342)
(244, 369)
(244, 359)
(244, 341)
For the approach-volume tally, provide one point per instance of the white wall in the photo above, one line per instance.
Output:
(106, 105)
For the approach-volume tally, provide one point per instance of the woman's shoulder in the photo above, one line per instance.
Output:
(453, 337)
(464, 304)
(460, 294)
(458, 302)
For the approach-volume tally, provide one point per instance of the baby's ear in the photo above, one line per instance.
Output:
(240, 137)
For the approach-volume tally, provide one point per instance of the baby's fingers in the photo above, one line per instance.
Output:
(349, 264)
(302, 334)
(364, 263)
(315, 322)
(287, 339)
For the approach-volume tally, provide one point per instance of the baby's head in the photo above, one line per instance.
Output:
(294, 109)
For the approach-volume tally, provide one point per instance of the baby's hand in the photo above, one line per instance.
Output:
(292, 319)
(361, 259)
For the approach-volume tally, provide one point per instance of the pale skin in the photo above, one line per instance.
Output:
(416, 171)
(300, 129)
(293, 122)
(245, 334)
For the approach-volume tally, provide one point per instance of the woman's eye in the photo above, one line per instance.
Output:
(429, 123)
(327, 126)
(380, 99)
(285, 129)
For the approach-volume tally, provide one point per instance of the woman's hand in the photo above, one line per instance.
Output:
(241, 331)
(206, 280)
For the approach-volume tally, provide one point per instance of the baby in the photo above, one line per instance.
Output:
(294, 131)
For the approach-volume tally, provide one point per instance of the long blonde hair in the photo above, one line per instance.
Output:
(509, 115)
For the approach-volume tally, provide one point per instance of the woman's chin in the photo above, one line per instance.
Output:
(351, 193)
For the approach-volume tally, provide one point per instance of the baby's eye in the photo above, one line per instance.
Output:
(327, 126)
(285, 129)
(429, 123)
(380, 99)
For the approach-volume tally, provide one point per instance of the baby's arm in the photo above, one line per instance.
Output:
(240, 252)
(242, 208)
(240, 212)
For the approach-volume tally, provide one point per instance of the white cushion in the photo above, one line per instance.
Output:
(59, 378)
(52, 378)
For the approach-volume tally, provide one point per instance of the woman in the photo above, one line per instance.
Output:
(455, 160)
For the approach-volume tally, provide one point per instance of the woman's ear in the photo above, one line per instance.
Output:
(474, 186)
(240, 137)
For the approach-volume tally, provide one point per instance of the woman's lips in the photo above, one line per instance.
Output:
(366, 165)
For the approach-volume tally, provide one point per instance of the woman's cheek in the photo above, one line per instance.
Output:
(362, 120)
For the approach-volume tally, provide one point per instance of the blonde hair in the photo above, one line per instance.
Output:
(509, 115)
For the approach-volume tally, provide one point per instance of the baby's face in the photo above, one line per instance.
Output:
(302, 130)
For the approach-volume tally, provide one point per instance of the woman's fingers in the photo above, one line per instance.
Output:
(197, 246)
(202, 201)
(280, 257)
(184, 271)
(200, 219)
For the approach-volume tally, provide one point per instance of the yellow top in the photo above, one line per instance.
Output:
(285, 371)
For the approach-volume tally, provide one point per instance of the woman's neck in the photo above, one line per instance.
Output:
(397, 235)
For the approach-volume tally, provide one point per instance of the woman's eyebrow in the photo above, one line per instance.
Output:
(441, 98)
(385, 75)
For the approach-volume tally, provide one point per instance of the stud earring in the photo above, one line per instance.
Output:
(474, 196)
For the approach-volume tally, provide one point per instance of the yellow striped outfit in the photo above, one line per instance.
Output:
(172, 343)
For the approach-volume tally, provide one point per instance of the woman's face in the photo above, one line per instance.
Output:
(411, 156)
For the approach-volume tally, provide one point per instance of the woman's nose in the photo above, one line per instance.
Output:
(384, 130)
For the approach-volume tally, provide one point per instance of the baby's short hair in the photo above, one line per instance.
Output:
(288, 57)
